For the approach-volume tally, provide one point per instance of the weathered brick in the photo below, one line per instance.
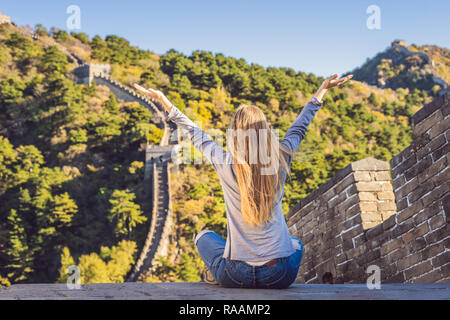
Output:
(379, 240)
(368, 206)
(309, 226)
(386, 206)
(362, 176)
(327, 195)
(418, 168)
(426, 213)
(347, 244)
(409, 211)
(337, 199)
(307, 237)
(371, 217)
(421, 230)
(387, 214)
(345, 183)
(445, 270)
(385, 195)
(386, 186)
(430, 147)
(388, 223)
(340, 258)
(398, 182)
(404, 154)
(368, 257)
(367, 196)
(407, 188)
(418, 270)
(408, 237)
(303, 221)
(310, 275)
(409, 261)
(402, 204)
(418, 244)
(427, 123)
(405, 165)
(437, 193)
(432, 170)
(436, 222)
(438, 234)
(370, 224)
(441, 152)
(442, 176)
(432, 251)
(439, 128)
(355, 252)
(446, 205)
(351, 190)
(373, 232)
(350, 234)
(421, 190)
(396, 255)
(390, 246)
(403, 227)
(356, 220)
(382, 176)
(347, 204)
(429, 277)
(368, 186)
(441, 259)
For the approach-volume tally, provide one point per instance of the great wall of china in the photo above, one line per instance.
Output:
(394, 216)
(360, 219)
(157, 165)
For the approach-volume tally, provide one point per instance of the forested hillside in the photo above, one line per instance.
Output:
(401, 66)
(71, 156)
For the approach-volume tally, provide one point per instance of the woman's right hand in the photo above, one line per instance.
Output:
(333, 82)
(156, 95)
(330, 83)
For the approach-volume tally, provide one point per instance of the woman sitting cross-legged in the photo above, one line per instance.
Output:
(259, 251)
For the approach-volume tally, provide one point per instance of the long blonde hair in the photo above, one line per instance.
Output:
(258, 181)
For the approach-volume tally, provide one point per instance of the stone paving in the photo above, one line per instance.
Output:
(202, 291)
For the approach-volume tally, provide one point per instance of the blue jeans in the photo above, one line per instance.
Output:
(238, 274)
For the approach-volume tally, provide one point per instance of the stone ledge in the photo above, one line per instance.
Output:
(365, 164)
(203, 291)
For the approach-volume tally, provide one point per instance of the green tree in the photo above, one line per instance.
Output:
(124, 212)
(66, 262)
(54, 61)
(18, 254)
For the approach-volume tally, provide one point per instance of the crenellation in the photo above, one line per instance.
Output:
(394, 215)
(4, 19)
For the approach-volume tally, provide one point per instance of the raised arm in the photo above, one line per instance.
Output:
(297, 131)
(210, 150)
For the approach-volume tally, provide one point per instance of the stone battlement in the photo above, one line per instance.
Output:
(359, 218)
(4, 19)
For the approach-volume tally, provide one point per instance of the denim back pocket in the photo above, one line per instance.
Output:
(233, 275)
(273, 277)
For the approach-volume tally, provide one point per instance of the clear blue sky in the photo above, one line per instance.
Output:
(318, 36)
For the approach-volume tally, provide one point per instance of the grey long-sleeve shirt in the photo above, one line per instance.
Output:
(253, 244)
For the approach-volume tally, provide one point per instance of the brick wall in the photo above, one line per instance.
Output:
(361, 217)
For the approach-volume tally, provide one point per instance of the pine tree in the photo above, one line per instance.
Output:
(124, 212)
(18, 254)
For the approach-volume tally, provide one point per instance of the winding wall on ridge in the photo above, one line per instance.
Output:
(157, 167)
